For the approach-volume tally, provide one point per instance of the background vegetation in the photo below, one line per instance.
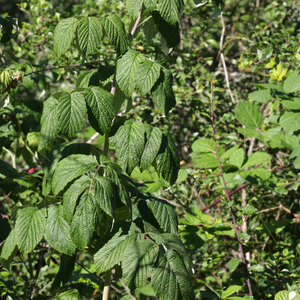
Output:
(236, 120)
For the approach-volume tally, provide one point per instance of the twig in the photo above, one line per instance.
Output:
(227, 193)
(133, 30)
(217, 280)
(127, 289)
(237, 189)
(223, 60)
(6, 197)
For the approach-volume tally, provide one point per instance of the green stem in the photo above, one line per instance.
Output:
(106, 143)
(30, 266)
(107, 285)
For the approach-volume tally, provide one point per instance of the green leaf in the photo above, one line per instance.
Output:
(112, 252)
(295, 104)
(261, 96)
(100, 107)
(7, 170)
(50, 123)
(170, 279)
(256, 158)
(71, 195)
(57, 232)
(290, 122)
(133, 8)
(64, 273)
(167, 160)
(63, 35)
(30, 227)
(129, 142)
(248, 114)
(164, 214)
(9, 245)
(250, 133)
(287, 295)
(237, 158)
(194, 215)
(171, 33)
(126, 71)
(138, 261)
(115, 29)
(71, 167)
(231, 290)
(150, 29)
(105, 196)
(68, 295)
(83, 222)
(206, 161)
(170, 10)
(71, 112)
(233, 263)
(292, 83)
(257, 268)
(122, 192)
(146, 75)
(87, 79)
(162, 92)
(153, 138)
(4, 228)
(204, 146)
(5, 80)
(174, 242)
(229, 152)
(88, 34)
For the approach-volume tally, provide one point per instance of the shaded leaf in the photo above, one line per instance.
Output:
(248, 114)
(170, 10)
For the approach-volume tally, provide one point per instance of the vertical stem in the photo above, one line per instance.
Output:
(107, 285)
(227, 193)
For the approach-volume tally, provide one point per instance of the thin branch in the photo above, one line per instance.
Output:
(223, 60)
(237, 189)
(135, 26)
(6, 197)
(227, 194)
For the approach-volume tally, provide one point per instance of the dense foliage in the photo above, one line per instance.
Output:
(149, 150)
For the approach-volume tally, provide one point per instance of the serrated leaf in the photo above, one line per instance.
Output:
(71, 112)
(115, 29)
(170, 10)
(170, 279)
(105, 196)
(101, 106)
(248, 114)
(138, 261)
(49, 122)
(174, 242)
(171, 33)
(153, 138)
(146, 75)
(5, 80)
(129, 142)
(64, 273)
(57, 232)
(63, 35)
(71, 167)
(9, 245)
(164, 214)
(237, 158)
(87, 79)
(150, 29)
(112, 252)
(88, 34)
(295, 104)
(133, 8)
(7, 170)
(167, 160)
(233, 263)
(292, 83)
(126, 71)
(83, 222)
(256, 158)
(231, 290)
(162, 92)
(121, 189)
(71, 195)
(30, 227)
(290, 122)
